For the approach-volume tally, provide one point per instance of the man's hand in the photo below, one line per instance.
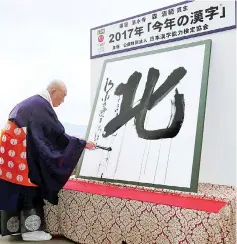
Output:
(90, 145)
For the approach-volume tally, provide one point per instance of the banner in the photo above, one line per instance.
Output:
(172, 23)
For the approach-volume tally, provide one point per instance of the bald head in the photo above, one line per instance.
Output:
(56, 84)
(58, 91)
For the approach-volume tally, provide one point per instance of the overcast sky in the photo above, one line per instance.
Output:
(45, 39)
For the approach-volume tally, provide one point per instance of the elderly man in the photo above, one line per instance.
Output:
(37, 158)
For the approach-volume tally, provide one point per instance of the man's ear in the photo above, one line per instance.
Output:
(53, 91)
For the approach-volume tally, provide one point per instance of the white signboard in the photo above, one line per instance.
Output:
(150, 110)
(173, 23)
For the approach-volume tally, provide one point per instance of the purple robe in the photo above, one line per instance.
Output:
(52, 155)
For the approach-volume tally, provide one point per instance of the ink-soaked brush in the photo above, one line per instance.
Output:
(103, 148)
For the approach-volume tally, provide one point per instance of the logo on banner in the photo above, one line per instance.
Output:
(100, 40)
(100, 32)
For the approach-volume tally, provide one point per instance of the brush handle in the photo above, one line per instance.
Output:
(104, 148)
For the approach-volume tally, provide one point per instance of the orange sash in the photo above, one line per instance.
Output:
(13, 158)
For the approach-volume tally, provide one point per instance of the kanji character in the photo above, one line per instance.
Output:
(199, 28)
(192, 29)
(154, 16)
(174, 33)
(171, 11)
(197, 16)
(149, 100)
(164, 13)
(169, 23)
(185, 8)
(211, 12)
(186, 31)
(205, 27)
(139, 30)
(179, 10)
(157, 26)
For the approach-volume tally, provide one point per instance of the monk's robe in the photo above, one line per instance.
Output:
(37, 158)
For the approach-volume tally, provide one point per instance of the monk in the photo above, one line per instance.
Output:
(37, 158)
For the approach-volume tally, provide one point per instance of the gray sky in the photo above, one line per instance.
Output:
(45, 39)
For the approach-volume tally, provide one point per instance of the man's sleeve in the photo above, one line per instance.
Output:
(52, 155)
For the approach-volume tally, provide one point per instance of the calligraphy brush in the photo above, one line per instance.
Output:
(104, 148)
